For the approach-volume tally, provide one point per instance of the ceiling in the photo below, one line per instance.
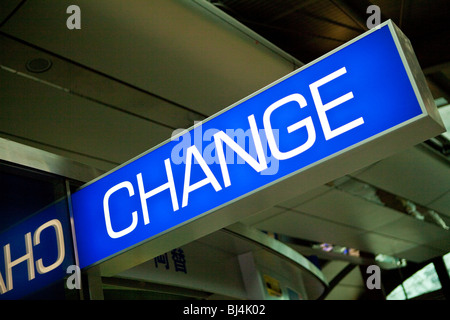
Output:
(134, 73)
(308, 29)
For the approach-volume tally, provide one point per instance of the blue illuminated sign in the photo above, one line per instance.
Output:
(351, 95)
(36, 252)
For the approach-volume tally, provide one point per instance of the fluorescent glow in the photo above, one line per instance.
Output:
(423, 281)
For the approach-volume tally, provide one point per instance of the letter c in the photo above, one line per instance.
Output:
(60, 241)
(113, 234)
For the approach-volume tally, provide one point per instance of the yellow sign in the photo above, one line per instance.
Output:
(272, 286)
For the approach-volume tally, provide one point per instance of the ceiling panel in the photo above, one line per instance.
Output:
(95, 86)
(442, 204)
(263, 215)
(345, 292)
(303, 226)
(441, 243)
(174, 49)
(350, 210)
(354, 278)
(350, 287)
(332, 268)
(420, 253)
(7, 7)
(378, 243)
(52, 117)
(413, 174)
(373, 227)
(411, 229)
(294, 202)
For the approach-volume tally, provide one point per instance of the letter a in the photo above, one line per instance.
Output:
(74, 280)
(192, 151)
(375, 19)
(373, 281)
(74, 21)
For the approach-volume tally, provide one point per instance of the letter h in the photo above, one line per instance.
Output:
(28, 256)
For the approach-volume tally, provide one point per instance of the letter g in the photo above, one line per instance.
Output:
(307, 123)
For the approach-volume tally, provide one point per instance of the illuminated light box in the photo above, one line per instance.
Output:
(355, 105)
